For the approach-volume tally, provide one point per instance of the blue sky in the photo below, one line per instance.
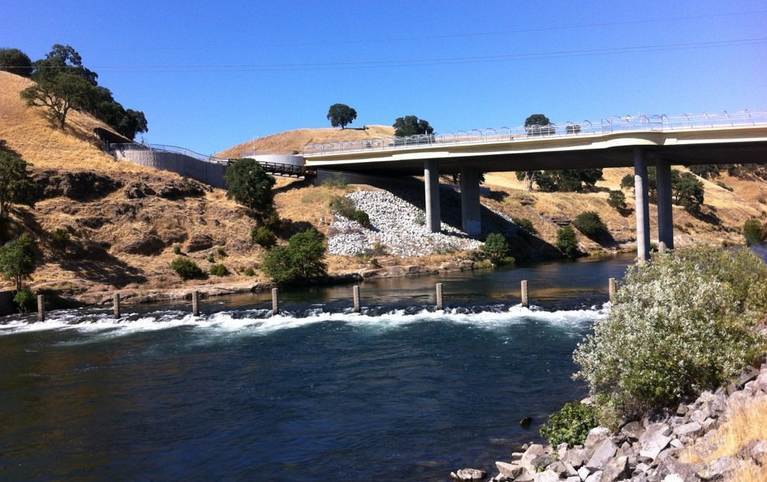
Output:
(209, 75)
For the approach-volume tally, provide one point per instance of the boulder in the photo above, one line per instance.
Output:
(596, 435)
(689, 429)
(755, 450)
(595, 477)
(80, 185)
(575, 457)
(718, 469)
(546, 476)
(654, 440)
(761, 381)
(584, 472)
(533, 452)
(138, 190)
(468, 474)
(148, 245)
(632, 430)
(616, 469)
(180, 189)
(602, 454)
(509, 470)
(199, 242)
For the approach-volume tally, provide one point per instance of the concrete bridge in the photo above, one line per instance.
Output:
(636, 141)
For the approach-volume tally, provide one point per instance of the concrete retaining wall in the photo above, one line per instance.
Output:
(211, 173)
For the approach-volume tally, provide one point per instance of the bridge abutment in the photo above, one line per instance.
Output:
(431, 194)
(641, 205)
(665, 213)
(471, 220)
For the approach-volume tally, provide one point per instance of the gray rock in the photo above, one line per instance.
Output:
(546, 476)
(616, 469)
(570, 471)
(573, 479)
(575, 457)
(755, 450)
(595, 477)
(761, 381)
(468, 474)
(676, 443)
(654, 440)
(718, 469)
(602, 454)
(584, 472)
(542, 461)
(199, 242)
(596, 436)
(509, 470)
(632, 430)
(689, 429)
(525, 476)
(532, 452)
(673, 478)
(681, 409)
(558, 467)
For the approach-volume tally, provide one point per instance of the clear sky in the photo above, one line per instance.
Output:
(212, 74)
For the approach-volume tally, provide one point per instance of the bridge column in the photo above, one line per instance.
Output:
(431, 191)
(665, 214)
(471, 219)
(642, 205)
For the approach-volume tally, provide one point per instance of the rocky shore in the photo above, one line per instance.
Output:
(646, 450)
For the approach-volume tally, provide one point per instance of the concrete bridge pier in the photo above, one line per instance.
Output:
(431, 192)
(665, 213)
(471, 220)
(641, 205)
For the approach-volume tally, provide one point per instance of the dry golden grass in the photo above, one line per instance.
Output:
(295, 140)
(743, 424)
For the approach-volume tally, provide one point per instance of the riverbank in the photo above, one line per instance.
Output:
(716, 436)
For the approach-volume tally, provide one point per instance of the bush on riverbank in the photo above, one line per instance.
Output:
(496, 249)
(566, 242)
(301, 259)
(754, 232)
(591, 225)
(684, 323)
(570, 424)
(263, 236)
(186, 268)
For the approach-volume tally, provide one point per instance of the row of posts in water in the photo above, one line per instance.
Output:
(356, 305)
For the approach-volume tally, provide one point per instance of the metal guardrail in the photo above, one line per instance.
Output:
(638, 123)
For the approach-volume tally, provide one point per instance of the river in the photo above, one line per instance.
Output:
(317, 393)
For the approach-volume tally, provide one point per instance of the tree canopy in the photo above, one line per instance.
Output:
(64, 83)
(17, 259)
(301, 259)
(16, 62)
(16, 186)
(538, 125)
(411, 125)
(565, 180)
(250, 185)
(341, 115)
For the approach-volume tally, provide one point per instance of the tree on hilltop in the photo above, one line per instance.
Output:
(16, 62)
(341, 115)
(411, 125)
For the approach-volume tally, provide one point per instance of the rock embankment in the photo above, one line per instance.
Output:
(647, 450)
(398, 227)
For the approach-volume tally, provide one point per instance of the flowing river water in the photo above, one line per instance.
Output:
(316, 393)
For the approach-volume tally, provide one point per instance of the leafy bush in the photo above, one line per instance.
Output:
(250, 185)
(496, 249)
(301, 259)
(176, 249)
(668, 337)
(525, 224)
(249, 271)
(263, 237)
(570, 424)
(707, 171)
(617, 200)
(60, 238)
(210, 258)
(218, 270)
(627, 182)
(17, 259)
(590, 224)
(24, 300)
(687, 191)
(753, 231)
(343, 206)
(566, 241)
(186, 268)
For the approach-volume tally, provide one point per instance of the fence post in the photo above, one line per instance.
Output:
(438, 288)
(524, 300)
(116, 305)
(356, 298)
(195, 303)
(40, 308)
(275, 305)
(611, 288)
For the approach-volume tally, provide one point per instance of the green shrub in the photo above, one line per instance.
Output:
(590, 224)
(525, 224)
(24, 300)
(249, 272)
(186, 268)
(60, 238)
(496, 249)
(753, 231)
(570, 424)
(684, 323)
(566, 241)
(343, 206)
(218, 270)
(176, 249)
(250, 185)
(617, 200)
(301, 259)
(210, 258)
(263, 237)
(17, 259)
(627, 182)
(335, 180)
(221, 252)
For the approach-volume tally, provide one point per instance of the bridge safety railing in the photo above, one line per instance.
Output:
(628, 123)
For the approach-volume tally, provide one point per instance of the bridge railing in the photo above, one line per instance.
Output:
(628, 123)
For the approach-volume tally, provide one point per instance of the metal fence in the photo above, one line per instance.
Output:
(638, 123)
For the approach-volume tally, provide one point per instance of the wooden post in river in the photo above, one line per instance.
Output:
(195, 303)
(116, 305)
(356, 299)
(524, 300)
(438, 288)
(40, 308)
(611, 288)
(275, 305)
